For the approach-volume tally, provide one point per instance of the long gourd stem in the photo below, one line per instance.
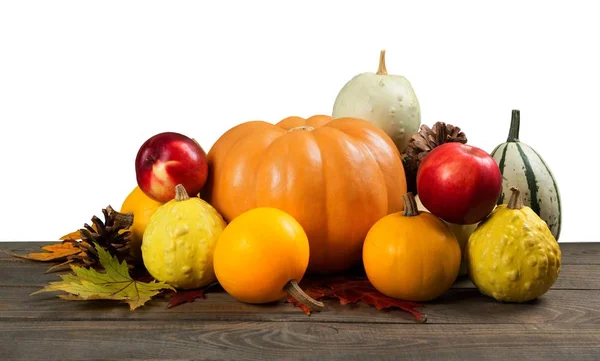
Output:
(515, 123)
(382, 70)
(293, 289)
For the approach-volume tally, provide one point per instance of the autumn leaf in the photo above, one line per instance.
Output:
(58, 252)
(73, 236)
(185, 297)
(113, 284)
(349, 291)
(188, 296)
(55, 252)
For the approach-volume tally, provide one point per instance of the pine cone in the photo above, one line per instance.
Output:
(113, 235)
(421, 143)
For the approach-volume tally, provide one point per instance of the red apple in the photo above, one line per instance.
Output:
(167, 159)
(459, 183)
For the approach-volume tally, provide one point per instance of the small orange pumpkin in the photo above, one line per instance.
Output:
(336, 177)
(411, 255)
(261, 256)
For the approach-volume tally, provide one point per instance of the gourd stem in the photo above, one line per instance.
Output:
(382, 70)
(410, 205)
(180, 193)
(515, 201)
(293, 289)
(515, 123)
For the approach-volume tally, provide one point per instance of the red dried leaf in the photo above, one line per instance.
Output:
(189, 296)
(349, 291)
(185, 297)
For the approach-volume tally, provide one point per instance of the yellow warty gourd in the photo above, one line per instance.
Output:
(179, 241)
(512, 256)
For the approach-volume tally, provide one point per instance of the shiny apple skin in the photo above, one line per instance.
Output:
(459, 183)
(167, 159)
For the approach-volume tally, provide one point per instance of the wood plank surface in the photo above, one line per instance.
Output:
(32, 273)
(295, 341)
(564, 324)
(572, 253)
(459, 306)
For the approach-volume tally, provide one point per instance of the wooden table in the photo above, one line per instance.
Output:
(564, 324)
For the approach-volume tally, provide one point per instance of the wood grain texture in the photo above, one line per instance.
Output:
(458, 306)
(572, 253)
(32, 273)
(295, 341)
(564, 324)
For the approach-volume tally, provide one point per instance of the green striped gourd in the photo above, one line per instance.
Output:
(522, 167)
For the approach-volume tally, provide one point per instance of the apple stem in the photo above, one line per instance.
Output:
(515, 123)
(180, 193)
(515, 201)
(293, 289)
(410, 205)
(382, 70)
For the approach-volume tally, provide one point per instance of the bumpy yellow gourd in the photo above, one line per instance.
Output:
(180, 239)
(512, 256)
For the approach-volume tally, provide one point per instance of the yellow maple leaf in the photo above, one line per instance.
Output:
(113, 284)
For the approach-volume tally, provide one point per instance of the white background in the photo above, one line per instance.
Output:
(83, 84)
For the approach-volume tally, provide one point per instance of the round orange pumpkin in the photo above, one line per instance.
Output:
(258, 253)
(411, 255)
(336, 177)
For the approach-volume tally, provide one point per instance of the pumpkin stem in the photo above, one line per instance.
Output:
(515, 123)
(308, 128)
(293, 289)
(410, 205)
(180, 193)
(382, 70)
(515, 201)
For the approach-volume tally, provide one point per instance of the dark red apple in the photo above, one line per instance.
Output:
(459, 183)
(167, 159)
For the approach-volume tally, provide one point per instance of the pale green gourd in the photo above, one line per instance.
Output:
(522, 167)
(386, 100)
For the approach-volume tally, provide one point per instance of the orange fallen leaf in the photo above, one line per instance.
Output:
(73, 236)
(55, 252)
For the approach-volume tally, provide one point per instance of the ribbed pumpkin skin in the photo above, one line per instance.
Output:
(336, 180)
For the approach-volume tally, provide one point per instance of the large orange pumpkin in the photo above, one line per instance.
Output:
(336, 177)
